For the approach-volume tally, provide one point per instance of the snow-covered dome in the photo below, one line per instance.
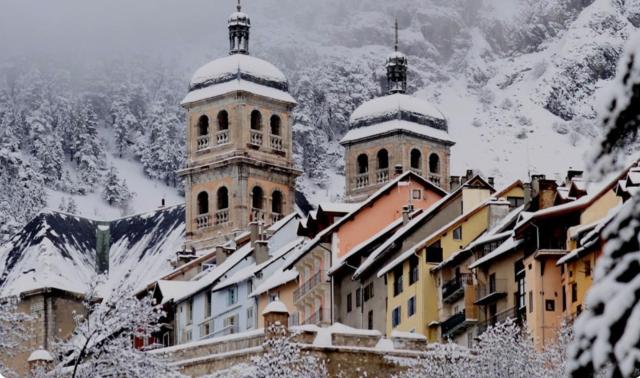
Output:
(238, 65)
(397, 106)
(40, 355)
(275, 307)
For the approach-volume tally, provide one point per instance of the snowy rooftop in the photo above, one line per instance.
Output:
(275, 306)
(231, 65)
(394, 126)
(236, 85)
(393, 105)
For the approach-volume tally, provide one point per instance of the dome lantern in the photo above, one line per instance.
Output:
(239, 25)
(397, 68)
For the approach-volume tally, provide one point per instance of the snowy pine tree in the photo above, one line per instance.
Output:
(13, 332)
(46, 146)
(90, 154)
(124, 123)
(116, 192)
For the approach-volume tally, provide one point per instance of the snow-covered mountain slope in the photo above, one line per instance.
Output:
(58, 250)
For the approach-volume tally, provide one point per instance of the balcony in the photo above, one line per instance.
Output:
(257, 214)
(276, 143)
(222, 216)
(314, 318)
(226, 330)
(453, 289)
(206, 328)
(310, 284)
(255, 138)
(510, 313)
(362, 180)
(491, 292)
(203, 221)
(382, 175)
(202, 142)
(434, 179)
(417, 171)
(455, 325)
(222, 137)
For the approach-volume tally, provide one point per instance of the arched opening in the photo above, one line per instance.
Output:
(383, 159)
(203, 203)
(256, 197)
(223, 120)
(276, 202)
(416, 159)
(223, 198)
(434, 163)
(363, 164)
(203, 125)
(275, 125)
(256, 120)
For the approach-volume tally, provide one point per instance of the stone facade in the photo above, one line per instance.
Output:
(398, 147)
(231, 152)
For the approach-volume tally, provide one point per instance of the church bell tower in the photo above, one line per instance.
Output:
(239, 143)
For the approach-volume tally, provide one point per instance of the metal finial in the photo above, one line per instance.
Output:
(396, 45)
(239, 7)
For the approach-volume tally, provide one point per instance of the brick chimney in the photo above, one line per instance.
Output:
(454, 182)
(406, 213)
(546, 193)
(491, 181)
(261, 251)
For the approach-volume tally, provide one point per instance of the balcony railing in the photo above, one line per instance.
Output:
(202, 142)
(227, 330)
(362, 180)
(434, 179)
(276, 142)
(491, 292)
(417, 171)
(314, 318)
(510, 313)
(203, 221)
(311, 283)
(382, 175)
(256, 138)
(206, 328)
(222, 216)
(222, 137)
(453, 289)
(455, 324)
(257, 214)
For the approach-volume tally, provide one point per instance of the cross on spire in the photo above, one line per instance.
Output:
(239, 7)
(396, 28)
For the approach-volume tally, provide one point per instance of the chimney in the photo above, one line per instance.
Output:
(491, 181)
(469, 175)
(498, 210)
(162, 203)
(454, 182)
(398, 169)
(571, 174)
(254, 231)
(527, 195)
(406, 213)
(546, 193)
(221, 254)
(261, 251)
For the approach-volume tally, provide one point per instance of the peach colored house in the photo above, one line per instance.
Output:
(314, 296)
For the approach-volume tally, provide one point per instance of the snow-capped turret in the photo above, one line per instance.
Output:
(239, 25)
(397, 69)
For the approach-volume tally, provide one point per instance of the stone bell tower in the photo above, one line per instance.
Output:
(239, 143)
(394, 133)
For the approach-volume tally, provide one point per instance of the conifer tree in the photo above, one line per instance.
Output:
(116, 192)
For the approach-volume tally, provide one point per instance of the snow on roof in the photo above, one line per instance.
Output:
(338, 207)
(240, 275)
(508, 245)
(236, 85)
(275, 307)
(237, 63)
(343, 329)
(213, 340)
(40, 355)
(280, 223)
(408, 335)
(394, 103)
(278, 278)
(393, 126)
(172, 289)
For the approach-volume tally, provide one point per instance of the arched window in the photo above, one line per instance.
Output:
(256, 120)
(203, 125)
(416, 159)
(256, 197)
(275, 125)
(383, 159)
(434, 163)
(223, 198)
(203, 203)
(223, 120)
(276, 202)
(363, 164)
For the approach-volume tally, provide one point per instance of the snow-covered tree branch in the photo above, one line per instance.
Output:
(14, 330)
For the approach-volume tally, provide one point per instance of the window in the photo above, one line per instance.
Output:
(550, 305)
(250, 321)
(275, 125)
(416, 194)
(230, 323)
(457, 233)
(416, 159)
(515, 202)
(189, 311)
(587, 268)
(207, 304)
(188, 336)
(434, 253)
(564, 299)
(232, 295)
(363, 164)
(223, 120)
(383, 159)
(521, 293)
(395, 317)
(349, 302)
(370, 319)
(397, 281)
(492, 283)
(358, 297)
(531, 301)
(223, 198)
(574, 292)
(413, 270)
(276, 202)
(203, 125)
(434, 163)
(411, 306)
(203, 203)
(273, 297)
(256, 120)
(368, 291)
(256, 197)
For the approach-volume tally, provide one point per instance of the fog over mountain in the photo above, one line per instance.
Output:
(520, 82)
